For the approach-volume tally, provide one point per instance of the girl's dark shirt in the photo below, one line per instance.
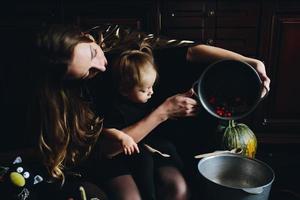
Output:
(124, 113)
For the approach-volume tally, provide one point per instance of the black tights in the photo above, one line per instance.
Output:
(169, 181)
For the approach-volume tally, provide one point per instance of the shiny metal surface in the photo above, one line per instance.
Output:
(235, 177)
(236, 171)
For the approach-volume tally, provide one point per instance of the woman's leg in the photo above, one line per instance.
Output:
(171, 184)
(122, 188)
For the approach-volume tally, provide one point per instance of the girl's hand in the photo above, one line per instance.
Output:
(128, 144)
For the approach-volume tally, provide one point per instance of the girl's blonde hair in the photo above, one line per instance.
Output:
(129, 67)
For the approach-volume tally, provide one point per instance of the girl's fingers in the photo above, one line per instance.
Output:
(137, 148)
(125, 151)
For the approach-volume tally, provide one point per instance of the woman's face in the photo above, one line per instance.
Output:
(88, 59)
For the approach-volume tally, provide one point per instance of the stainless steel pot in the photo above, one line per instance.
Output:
(229, 89)
(235, 177)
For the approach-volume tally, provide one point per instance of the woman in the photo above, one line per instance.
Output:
(69, 129)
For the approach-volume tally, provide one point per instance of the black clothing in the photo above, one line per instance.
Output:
(141, 166)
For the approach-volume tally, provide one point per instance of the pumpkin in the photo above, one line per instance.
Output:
(240, 136)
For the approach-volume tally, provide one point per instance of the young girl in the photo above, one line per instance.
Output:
(134, 74)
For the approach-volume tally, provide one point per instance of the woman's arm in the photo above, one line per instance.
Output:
(209, 54)
(180, 105)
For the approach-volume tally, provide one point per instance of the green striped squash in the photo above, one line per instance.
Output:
(240, 136)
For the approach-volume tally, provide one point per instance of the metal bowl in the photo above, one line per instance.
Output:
(233, 176)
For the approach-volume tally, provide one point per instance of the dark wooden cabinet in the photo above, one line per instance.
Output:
(280, 119)
(228, 24)
(237, 25)
(140, 15)
(192, 20)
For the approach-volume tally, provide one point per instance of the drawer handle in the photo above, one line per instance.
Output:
(210, 41)
(211, 13)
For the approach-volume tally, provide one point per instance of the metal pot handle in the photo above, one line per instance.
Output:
(195, 88)
(257, 190)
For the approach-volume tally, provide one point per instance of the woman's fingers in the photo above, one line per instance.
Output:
(181, 106)
(266, 84)
(188, 105)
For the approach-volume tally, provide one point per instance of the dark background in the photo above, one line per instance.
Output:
(264, 29)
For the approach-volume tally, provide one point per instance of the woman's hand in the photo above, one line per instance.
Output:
(128, 144)
(261, 70)
(180, 105)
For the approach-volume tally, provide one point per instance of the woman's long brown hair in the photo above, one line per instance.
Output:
(67, 126)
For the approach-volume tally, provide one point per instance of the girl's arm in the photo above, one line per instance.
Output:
(127, 144)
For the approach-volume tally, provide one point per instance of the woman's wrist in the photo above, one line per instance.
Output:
(161, 113)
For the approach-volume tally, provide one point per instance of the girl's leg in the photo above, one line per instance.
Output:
(143, 173)
(122, 188)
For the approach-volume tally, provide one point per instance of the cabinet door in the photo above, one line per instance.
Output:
(230, 24)
(279, 118)
(283, 111)
(193, 20)
(237, 25)
(135, 14)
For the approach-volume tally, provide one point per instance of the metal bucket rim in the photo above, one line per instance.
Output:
(242, 157)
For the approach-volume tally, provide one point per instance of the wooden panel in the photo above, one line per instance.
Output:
(182, 14)
(236, 13)
(242, 40)
(188, 19)
(136, 14)
(283, 111)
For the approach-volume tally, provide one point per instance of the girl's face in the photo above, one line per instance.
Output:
(142, 93)
(88, 59)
